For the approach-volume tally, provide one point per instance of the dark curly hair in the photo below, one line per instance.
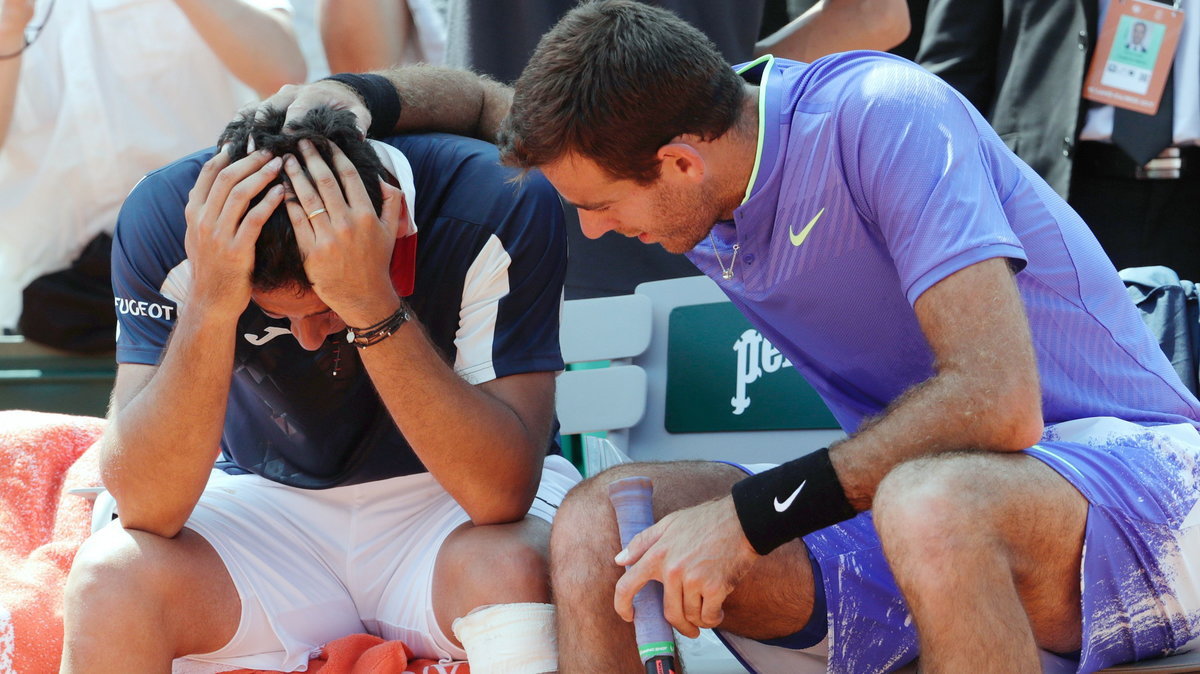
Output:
(277, 259)
(614, 81)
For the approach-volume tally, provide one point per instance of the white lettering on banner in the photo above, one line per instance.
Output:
(755, 357)
(130, 307)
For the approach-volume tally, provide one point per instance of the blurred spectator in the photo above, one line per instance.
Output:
(916, 22)
(839, 25)
(1023, 64)
(105, 91)
(362, 35)
(304, 20)
(916, 19)
(497, 38)
(775, 15)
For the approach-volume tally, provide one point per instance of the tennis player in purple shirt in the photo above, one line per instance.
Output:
(1019, 485)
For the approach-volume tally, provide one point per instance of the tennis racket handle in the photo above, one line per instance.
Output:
(632, 502)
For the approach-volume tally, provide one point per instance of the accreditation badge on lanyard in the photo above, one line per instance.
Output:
(1134, 54)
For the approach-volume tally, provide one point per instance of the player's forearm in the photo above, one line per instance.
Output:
(437, 98)
(474, 444)
(258, 46)
(161, 443)
(832, 26)
(997, 409)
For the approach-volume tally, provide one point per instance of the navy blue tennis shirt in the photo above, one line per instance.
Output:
(490, 261)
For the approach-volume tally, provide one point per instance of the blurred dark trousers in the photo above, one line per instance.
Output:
(72, 309)
(1139, 222)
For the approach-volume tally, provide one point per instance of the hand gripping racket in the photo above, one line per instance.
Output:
(631, 500)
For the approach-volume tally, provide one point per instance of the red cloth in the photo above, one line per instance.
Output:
(41, 528)
(367, 654)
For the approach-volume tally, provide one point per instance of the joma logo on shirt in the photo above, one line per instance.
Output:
(130, 307)
(271, 333)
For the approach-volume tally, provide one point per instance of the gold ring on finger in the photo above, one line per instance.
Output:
(316, 213)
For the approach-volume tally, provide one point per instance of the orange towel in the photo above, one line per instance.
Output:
(367, 654)
(41, 528)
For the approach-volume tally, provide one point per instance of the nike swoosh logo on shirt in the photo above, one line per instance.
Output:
(780, 507)
(798, 238)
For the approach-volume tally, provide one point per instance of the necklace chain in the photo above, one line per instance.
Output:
(726, 272)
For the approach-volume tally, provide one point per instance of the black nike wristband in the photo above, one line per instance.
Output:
(379, 96)
(790, 500)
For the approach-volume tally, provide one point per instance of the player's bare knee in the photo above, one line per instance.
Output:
(577, 530)
(522, 567)
(928, 501)
(116, 579)
(496, 564)
(584, 538)
(678, 484)
(583, 511)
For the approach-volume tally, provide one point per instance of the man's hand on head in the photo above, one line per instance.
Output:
(298, 99)
(346, 247)
(222, 229)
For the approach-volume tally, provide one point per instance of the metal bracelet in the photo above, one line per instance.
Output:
(364, 337)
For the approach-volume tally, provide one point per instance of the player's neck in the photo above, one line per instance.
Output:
(737, 151)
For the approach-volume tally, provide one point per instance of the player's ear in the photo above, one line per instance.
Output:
(680, 160)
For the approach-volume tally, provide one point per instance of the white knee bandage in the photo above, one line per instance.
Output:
(509, 639)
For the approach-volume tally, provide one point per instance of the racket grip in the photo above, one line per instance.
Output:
(631, 499)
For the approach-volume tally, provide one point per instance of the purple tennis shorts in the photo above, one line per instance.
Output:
(1141, 561)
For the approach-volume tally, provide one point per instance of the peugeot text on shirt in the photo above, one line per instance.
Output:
(142, 308)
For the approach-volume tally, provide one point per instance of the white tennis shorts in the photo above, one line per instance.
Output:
(311, 566)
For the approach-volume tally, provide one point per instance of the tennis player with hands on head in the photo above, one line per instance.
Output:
(381, 408)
